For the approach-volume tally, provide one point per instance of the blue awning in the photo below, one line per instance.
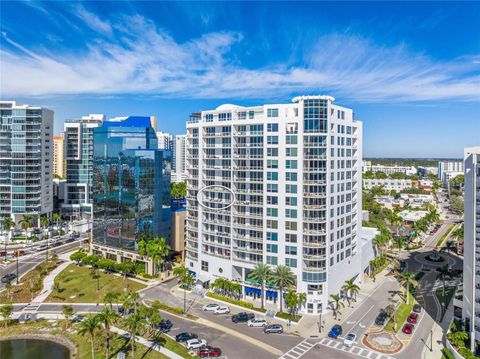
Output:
(191, 272)
(271, 294)
(250, 290)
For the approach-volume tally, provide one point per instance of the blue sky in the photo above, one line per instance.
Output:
(410, 71)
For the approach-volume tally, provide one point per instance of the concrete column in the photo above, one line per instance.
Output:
(149, 267)
(119, 258)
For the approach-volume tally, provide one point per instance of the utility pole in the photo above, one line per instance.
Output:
(17, 264)
(431, 340)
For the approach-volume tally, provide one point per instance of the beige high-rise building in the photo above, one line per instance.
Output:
(58, 155)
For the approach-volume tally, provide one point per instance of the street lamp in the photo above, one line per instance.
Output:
(17, 265)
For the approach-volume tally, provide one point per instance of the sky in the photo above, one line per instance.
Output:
(409, 70)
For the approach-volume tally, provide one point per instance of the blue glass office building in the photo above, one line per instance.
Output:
(131, 183)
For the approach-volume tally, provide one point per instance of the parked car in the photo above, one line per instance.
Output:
(381, 318)
(223, 309)
(195, 343)
(208, 351)
(407, 328)
(349, 339)
(257, 322)
(121, 311)
(242, 317)
(7, 278)
(210, 307)
(412, 318)
(417, 308)
(183, 337)
(165, 325)
(273, 328)
(335, 331)
(78, 319)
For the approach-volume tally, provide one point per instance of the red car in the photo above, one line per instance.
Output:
(412, 318)
(208, 351)
(407, 328)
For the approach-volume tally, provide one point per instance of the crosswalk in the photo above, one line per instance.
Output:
(355, 350)
(299, 350)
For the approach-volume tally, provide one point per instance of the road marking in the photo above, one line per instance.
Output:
(354, 349)
(352, 322)
(299, 350)
(368, 311)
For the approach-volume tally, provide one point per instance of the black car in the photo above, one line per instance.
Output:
(70, 240)
(242, 317)
(273, 328)
(121, 311)
(183, 337)
(56, 244)
(7, 278)
(417, 308)
(165, 325)
(381, 318)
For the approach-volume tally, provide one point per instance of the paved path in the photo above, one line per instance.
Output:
(48, 283)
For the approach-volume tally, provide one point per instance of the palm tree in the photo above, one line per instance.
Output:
(26, 223)
(261, 273)
(67, 311)
(44, 222)
(396, 221)
(302, 298)
(185, 280)
(8, 287)
(351, 289)
(336, 304)
(107, 316)
(134, 323)
(110, 298)
(6, 311)
(156, 249)
(408, 279)
(450, 246)
(283, 278)
(89, 327)
(443, 272)
(7, 224)
(57, 218)
(433, 216)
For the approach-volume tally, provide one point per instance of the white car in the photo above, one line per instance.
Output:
(257, 323)
(349, 340)
(221, 310)
(195, 343)
(210, 307)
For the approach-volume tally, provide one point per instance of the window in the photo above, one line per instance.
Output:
(272, 248)
(291, 250)
(272, 176)
(291, 225)
(272, 152)
(291, 238)
(272, 127)
(291, 213)
(291, 262)
(291, 164)
(272, 140)
(251, 115)
(272, 260)
(272, 187)
(291, 152)
(272, 163)
(292, 140)
(272, 224)
(272, 236)
(209, 116)
(272, 212)
(291, 201)
(205, 266)
(272, 112)
(225, 116)
(290, 188)
(242, 115)
(291, 176)
(272, 200)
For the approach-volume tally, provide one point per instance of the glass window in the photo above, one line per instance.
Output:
(291, 213)
(291, 262)
(272, 140)
(272, 260)
(272, 127)
(291, 176)
(272, 176)
(291, 201)
(272, 236)
(292, 140)
(291, 164)
(272, 163)
(251, 115)
(272, 248)
(272, 112)
(291, 152)
(272, 212)
(291, 250)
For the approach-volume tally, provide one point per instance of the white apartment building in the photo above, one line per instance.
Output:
(448, 175)
(26, 160)
(179, 158)
(165, 141)
(388, 184)
(78, 138)
(471, 259)
(278, 184)
(449, 166)
(389, 170)
(58, 156)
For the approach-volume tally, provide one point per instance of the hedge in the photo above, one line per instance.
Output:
(287, 316)
(239, 302)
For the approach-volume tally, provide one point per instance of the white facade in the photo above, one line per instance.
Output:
(295, 172)
(165, 141)
(471, 259)
(26, 160)
(388, 184)
(179, 155)
(448, 175)
(389, 170)
(449, 166)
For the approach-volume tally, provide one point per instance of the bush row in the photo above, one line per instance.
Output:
(241, 303)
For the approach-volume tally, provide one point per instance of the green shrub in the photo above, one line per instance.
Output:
(447, 354)
(287, 316)
(466, 353)
(241, 303)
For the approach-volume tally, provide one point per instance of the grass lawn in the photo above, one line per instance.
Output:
(82, 342)
(448, 296)
(76, 285)
(30, 285)
(401, 314)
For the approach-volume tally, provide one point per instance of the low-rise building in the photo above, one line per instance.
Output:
(389, 170)
(367, 248)
(412, 216)
(448, 175)
(389, 201)
(388, 184)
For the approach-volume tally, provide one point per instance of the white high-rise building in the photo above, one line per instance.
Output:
(179, 157)
(26, 161)
(165, 141)
(278, 184)
(449, 166)
(471, 258)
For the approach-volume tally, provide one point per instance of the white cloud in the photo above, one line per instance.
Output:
(146, 60)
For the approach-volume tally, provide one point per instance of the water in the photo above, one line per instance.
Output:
(32, 348)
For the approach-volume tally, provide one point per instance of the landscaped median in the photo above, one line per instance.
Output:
(445, 235)
(400, 315)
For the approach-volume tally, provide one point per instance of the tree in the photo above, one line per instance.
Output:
(107, 316)
(56, 218)
(408, 279)
(8, 287)
(457, 338)
(450, 246)
(443, 272)
(134, 323)
(152, 319)
(396, 221)
(89, 327)
(110, 297)
(156, 249)
(261, 272)
(6, 311)
(336, 304)
(7, 224)
(458, 233)
(67, 311)
(350, 288)
(186, 280)
(283, 278)
(26, 223)
(179, 189)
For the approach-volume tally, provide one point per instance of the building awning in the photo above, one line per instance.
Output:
(271, 294)
(250, 290)
(204, 277)
(192, 273)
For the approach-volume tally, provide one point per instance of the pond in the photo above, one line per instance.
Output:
(32, 348)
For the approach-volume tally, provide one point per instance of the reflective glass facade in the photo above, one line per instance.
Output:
(131, 183)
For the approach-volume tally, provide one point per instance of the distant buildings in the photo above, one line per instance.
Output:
(26, 161)
(58, 156)
(471, 259)
(412, 216)
(78, 138)
(449, 166)
(131, 188)
(179, 158)
(448, 175)
(424, 171)
(389, 170)
(295, 173)
(165, 141)
(388, 184)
